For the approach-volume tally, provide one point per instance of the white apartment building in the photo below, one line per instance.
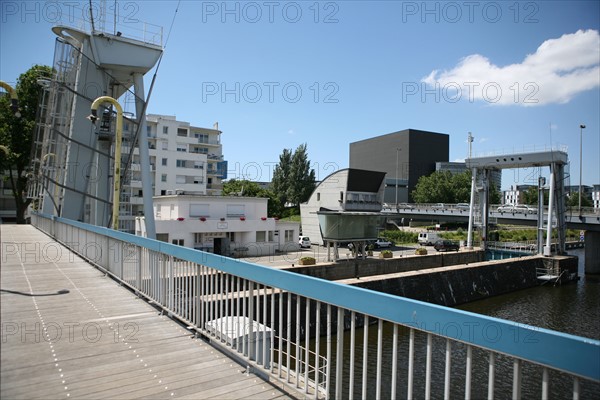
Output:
(515, 194)
(183, 159)
(227, 225)
(596, 198)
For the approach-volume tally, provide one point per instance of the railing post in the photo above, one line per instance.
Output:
(339, 365)
(491, 376)
(468, 372)
(251, 320)
(365, 357)
(447, 369)
(411, 352)
(516, 390)
(352, 351)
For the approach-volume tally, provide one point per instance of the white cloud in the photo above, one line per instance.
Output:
(558, 70)
(291, 132)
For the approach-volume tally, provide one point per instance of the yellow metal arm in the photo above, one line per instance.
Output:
(118, 139)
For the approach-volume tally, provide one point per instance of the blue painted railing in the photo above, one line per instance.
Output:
(216, 295)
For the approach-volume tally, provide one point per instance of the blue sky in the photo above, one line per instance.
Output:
(279, 74)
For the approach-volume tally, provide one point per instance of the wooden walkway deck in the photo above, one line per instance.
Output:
(70, 332)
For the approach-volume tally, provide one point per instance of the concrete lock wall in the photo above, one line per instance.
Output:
(372, 266)
(592, 252)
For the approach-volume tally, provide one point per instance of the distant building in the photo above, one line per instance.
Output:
(404, 156)
(346, 190)
(515, 194)
(227, 225)
(183, 159)
(596, 197)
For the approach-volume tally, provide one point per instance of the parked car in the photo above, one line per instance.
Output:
(532, 209)
(439, 206)
(506, 208)
(405, 206)
(381, 242)
(446, 245)
(522, 209)
(304, 242)
(463, 206)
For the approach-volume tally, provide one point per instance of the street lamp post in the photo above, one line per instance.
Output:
(396, 185)
(117, 169)
(581, 128)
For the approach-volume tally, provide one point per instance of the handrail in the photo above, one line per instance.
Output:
(572, 354)
(223, 299)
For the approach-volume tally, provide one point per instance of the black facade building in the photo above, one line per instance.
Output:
(404, 156)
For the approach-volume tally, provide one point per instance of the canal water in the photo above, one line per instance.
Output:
(572, 308)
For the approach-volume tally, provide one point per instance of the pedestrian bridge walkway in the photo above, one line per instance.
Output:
(69, 331)
(94, 339)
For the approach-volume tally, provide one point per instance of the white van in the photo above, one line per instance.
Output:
(428, 238)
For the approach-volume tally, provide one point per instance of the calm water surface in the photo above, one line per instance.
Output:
(572, 308)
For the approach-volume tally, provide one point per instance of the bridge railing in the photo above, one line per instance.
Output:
(305, 332)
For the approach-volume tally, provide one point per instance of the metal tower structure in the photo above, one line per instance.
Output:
(73, 160)
(556, 159)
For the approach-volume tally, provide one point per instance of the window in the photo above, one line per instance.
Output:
(180, 179)
(231, 236)
(166, 130)
(182, 132)
(148, 130)
(163, 193)
(165, 145)
(260, 236)
(271, 236)
(198, 179)
(164, 162)
(318, 196)
(236, 210)
(178, 242)
(202, 138)
(182, 147)
(163, 178)
(198, 165)
(289, 235)
(199, 210)
(180, 164)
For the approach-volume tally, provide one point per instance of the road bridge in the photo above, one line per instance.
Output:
(588, 221)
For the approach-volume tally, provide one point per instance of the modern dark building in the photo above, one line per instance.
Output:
(404, 156)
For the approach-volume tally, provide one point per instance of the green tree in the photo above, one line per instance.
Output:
(16, 134)
(573, 200)
(293, 178)
(530, 196)
(446, 187)
(443, 187)
(495, 195)
(281, 176)
(302, 177)
(234, 187)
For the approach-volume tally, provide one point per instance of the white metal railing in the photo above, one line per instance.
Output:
(294, 328)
